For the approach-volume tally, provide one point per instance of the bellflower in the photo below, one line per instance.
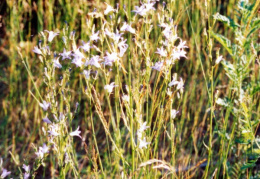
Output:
(76, 133)
(109, 9)
(47, 120)
(86, 74)
(110, 58)
(37, 50)
(77, 61)
(128, 28)
(122, 47)
(26, 168)
(56, 63)
(158, 66)
(161, 52)
(45, 105)
(143, 143)
(109, 88)
(65, 54)
(94, 36)
(5, 173)
(219, 59)
(85, 46)
(51, 35)
(174, 113)
(93, 61)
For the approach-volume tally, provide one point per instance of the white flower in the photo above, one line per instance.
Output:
(86, 46)
(174, 113)
(42, 150)
(182, 45)
(140, 10)
(219, 59)
(122, 47)
(110, 58)
(78, 54)
(26, 168)
(37, 50)
(86, 73)
(108, 9)
(161, 52)
(94, 36)
(158, 66)
(26, 175)
(93, 61)
(51, 35)
(5, 173)
(125, 98)
(47, 120)
(173, 82)
(149, 5)
(109, 88)
(143, 127)
(180, 84)
(143, 143)
(53, 130)
(76, 133)
(127, 27)
(65, 54)
(45, 105)
(177, 54)
(56, 63)
(77, 61)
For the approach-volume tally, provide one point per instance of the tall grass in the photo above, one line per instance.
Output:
(143, 127)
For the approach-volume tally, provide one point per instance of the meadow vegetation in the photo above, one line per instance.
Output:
(129, 89)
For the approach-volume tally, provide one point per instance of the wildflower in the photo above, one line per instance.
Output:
(53, 130)
(143, 127)
(26, 168)
(5, 173)
(86, 73)
(94, 36)
(42, 150)
(161, 52)
(76, 133)
(140, 10)
(110, 58)
(51, 35)
(45, 105)
(128, 28)
(56, 63)
(109, 9)
(78, 54)
(93, 61)
(219, 59)
(122, 47)
(173, 82)
(158, 66)
(182, 45)
(125, 98)
(26, 175)
(77, 61)
(174, 113)
(86, 46)
(149, 6)
(65, 54)
(177, 54)
(47, 120)
(109, 88)
(180, 84)
(37, 50)
(143, 143)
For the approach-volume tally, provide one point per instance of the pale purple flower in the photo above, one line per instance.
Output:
(77, 61)
(109, 9)
(45, 105)
(26, 168)
(5, 173)
(161, 52)
(53, 130)
(109, 88)
(86, 73)
(143, 143)
(122, 47)
(51, 35)
(85, 46)
(110, 58)
(78, 54)
(94, 36)
(180, 85)
(177, 54)
(182, 45)
(128, 28)
(56, 63)
(140, 10)
(158, 66)
(47, 120)
(42, 150)
(26, 175)
(219, 59)
(149, 5)
(65, 54)
(37, 50)
(94, 61)
(173, 82)
(76, 133)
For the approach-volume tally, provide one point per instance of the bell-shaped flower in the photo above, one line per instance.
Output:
(5, 173)
(143, 143)
(109, 88)
(158, 66)
(122, 47)
(128, 28)
(65, 54)
(51, 35)
(76, 133)
(47, 120)
(56, 63)
(94, 61)
(37, 50)
(161, 52)
(85, 46)
(109, 9)
(45, 105)
(174, 113)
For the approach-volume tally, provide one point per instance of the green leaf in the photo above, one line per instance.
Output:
(225, 20)
(248, 165)
(224, 41)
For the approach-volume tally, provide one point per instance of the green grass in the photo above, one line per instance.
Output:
(204, 140)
